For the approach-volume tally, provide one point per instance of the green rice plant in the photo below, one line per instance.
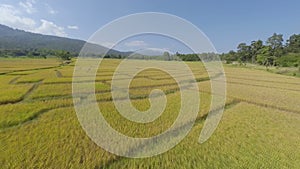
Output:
(6, 79)
(13, 93)
(66, 71)
(15, 114)
(56, 80)
(54, 90)
(54, 140)
(50, 90)
(21, 64)
(23, 72)
(37, 77)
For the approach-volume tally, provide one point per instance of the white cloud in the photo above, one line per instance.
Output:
(50, 28)
(28, 6)
(160, 49)
(136, 43)
(50, 9)
(52, 12)
(11, 16)
(73, 27)
(107, 44)
(153, 51)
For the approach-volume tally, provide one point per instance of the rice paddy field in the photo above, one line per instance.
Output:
(260, 127)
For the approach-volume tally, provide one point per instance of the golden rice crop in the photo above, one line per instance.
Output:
(247, 137)
(17, 64)
(38, 76)
(259, 129)
(13, 93)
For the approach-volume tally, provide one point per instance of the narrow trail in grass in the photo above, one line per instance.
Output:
(58, 73)
(13, 81)
(31, 90)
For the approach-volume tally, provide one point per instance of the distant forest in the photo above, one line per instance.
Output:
(274, 52)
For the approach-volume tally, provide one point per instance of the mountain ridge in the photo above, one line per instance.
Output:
(16, 39)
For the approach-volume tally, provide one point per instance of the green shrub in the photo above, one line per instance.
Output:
(289, 60)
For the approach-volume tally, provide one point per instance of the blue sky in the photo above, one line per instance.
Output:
(226, 23)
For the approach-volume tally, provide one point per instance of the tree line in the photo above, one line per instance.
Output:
(37, 53)
(197, 57)
(272, 52)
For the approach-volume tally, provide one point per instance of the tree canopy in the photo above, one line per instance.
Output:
(271, 53)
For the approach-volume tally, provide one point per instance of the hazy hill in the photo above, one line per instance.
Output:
(18, 39)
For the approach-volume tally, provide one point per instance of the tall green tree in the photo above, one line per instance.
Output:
(256, 46)
(293, 44)
(276, 44)
(64, 55)
(244, 52)
(265, 57)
